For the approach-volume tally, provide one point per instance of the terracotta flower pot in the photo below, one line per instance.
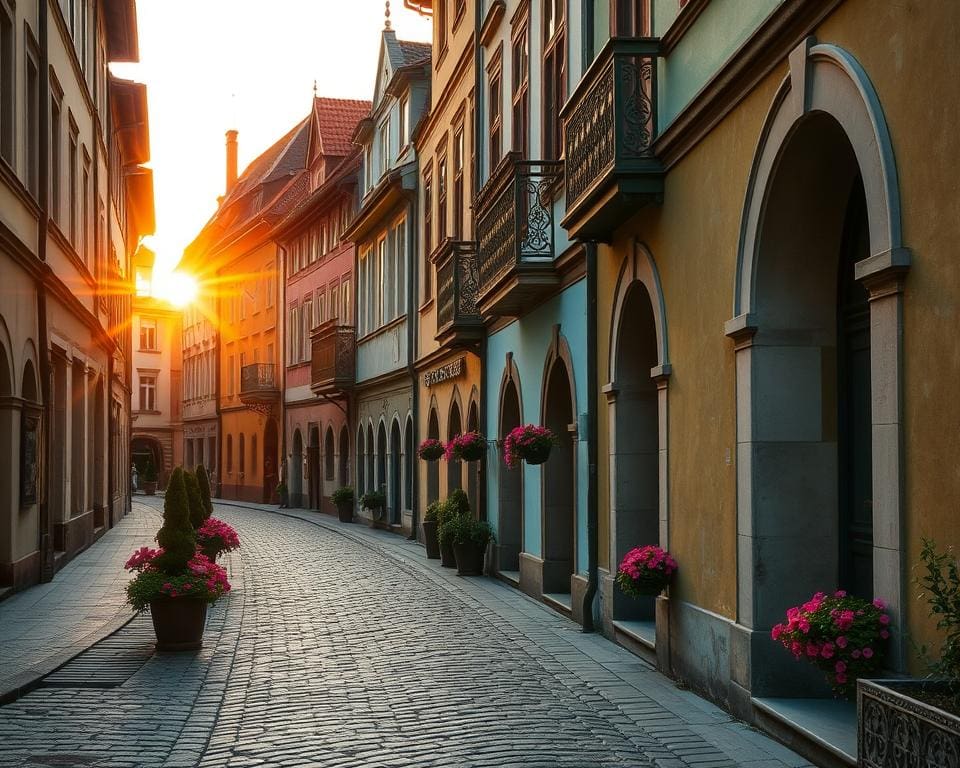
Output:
(469, 558)
(149, 487)
(447, 558)
(537, 454)
(345, 511)
(178, 623)
(430, 540)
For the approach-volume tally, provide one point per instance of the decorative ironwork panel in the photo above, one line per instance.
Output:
(897, 731)
(496, 230)
(258, 377)
(446, 293)
(332, 355)
(635, 76)
(590, 136)
(536, 184)
(468, 284)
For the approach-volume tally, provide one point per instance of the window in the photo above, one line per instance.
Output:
(554, 76)
(519, 83)
(334, 299)
(427, 232)
(495, 127)
(367, 169)
(458, 8)
(241, 463)
(229, 454)
(345, 300)
(33, 120)
(148, 334)
(307, 312)
(384, 147)
(73, 174)
(399, 268)
(271, 287)
(231, 376)
(253, 454)
(8, 100)
(55, 158)
(442, 199)
(402, 128)
(87, 245)
(458, 184)
(381, 285)
(148, 393)
(292, 323)
(321, 305)
(440, 12)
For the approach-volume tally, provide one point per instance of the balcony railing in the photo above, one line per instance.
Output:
(458, 319)
(332, 360)
(515, 234)
(258, 383)
(609, 126)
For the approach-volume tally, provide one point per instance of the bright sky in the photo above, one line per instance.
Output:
(210, 65)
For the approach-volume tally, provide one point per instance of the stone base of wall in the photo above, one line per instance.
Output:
(531, 575)
(21, 573)
(73, 535)
(578, 588)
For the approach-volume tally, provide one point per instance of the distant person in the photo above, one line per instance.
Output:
(134, 478)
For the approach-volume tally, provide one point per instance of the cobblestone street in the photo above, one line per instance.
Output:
(341, 646)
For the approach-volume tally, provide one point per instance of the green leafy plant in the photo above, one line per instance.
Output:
(194, 499)
(464, 529)
(373, 500)
(939, 580)
(281, 488)
(342, 495)
(432, 513)
(149, 470)
(203, 481)
(459, 502)
(176, 538)
(456, 506)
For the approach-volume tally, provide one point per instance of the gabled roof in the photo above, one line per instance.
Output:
(335, 121)
(413, 52)
(396, 55)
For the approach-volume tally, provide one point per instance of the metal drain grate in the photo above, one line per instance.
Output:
(109, 663)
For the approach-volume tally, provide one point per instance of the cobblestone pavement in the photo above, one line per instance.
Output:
(342, 647)
(43, 626)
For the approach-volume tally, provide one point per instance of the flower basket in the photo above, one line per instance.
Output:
(842, 635)
(645, 571)
(468, 447)
(431, 449)
(214, 537)
(528, 443)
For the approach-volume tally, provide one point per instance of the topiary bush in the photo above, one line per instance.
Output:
(194, 500)
(203, 480)
(459, 502)
(176, 537)
(456, 506)
(432, 514)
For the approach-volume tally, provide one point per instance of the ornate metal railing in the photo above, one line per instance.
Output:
(515, 217)
(458, 283)
(610, 120)
(258, 378)
(332, 358)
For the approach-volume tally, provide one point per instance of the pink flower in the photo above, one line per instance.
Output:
(855, 653)
(842, 641)
(840, 666)
(840, 593)
(884, 619)
(884, 634)
(841, 678)
(813, 650)
(878, 603)
(868, 652)
(827, 650)
(777, 631)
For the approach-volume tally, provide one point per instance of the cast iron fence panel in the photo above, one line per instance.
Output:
(258, 377)
(458, 284)
(332, 354)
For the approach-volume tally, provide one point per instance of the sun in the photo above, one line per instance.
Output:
(178, 288)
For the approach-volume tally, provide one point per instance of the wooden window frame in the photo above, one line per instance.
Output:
(459, 150)
(427, 231)
(520, 87)
(554, 69)
(495, 109)
(442, 193)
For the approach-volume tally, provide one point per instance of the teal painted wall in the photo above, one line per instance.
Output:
(529, 341)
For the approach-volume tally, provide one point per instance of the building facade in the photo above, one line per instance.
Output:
(384, 230)
(200, 384)
(157, 408)
(74, 203)
(319, 300)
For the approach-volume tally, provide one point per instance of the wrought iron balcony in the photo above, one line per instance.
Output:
(332, 359)
(609, 126)
(515, 235)
(258, 384)
(458, 319)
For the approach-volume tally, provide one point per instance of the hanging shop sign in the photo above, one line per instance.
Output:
(452, 370)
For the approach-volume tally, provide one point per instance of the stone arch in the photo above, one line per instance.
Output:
(433, 467)
(558, 474)
(6, 360)
(360, 465)
(409, 457)
(381, 462)
(510, 511)
(296, 469)
(473, 467)
(372, 480)
(454, 428)
(636, 396)
(314, 483)
(329, 456)
(818, 303)
(395, 472)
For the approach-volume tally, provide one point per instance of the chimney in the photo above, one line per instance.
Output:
(231, 160)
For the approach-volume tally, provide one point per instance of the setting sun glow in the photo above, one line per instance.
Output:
(177, 288)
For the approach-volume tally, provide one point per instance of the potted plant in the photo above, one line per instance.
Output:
(203, 482)
(431, 449)
(343, 500)
(374, 502)
(283, 495)
(214, 537)
(176, 580)
(930, 707)
(429, 526)
(149, 477)
(469, 538)
(645, 571)
(528, 443)
(194, 500)
(456, 505)
(843, 635)
(468, 447)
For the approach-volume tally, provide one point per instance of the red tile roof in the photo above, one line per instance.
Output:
(336, 120)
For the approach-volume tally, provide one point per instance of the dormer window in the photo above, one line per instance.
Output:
(384, 147)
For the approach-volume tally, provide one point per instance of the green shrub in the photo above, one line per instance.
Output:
(194, 499)
(940, 581)
(149, 470)
(342, 495)
(373, 500)
(176, 536)
(456, 506)
(432, 514)
(463, 529)
(459, 502)
(203, 481)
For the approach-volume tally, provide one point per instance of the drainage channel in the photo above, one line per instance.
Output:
(109, 663)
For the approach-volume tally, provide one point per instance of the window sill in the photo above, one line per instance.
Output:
(150, 351)
(426, 306)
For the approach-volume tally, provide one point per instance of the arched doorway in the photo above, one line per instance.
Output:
(454, 466)
(372, 478)
(381, 458)
(635, 448)
(9, 490)
(473, 467)
(146, 454)
(295, 470)
(329, 464)
(509, 489)
(558, 489)
(313, 468)
(344, 458)
(361, 464)
(409, 457)
(395, 475)
(270, 462)
(28, 437)
(433, 467)
(99, 453)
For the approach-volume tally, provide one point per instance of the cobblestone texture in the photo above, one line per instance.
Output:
(353, 650)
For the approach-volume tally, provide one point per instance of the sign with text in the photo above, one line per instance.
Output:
(444, 373)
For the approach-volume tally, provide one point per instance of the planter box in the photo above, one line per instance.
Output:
(447, 558)
(430, 541)
(149, 487)
(469, 559)
(178, 623)
(895, 730)
(345, 512)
